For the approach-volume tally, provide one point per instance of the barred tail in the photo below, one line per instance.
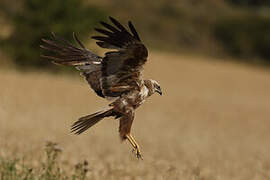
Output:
(88, 121)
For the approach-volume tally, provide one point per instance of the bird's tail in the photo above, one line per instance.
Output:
(88, 121)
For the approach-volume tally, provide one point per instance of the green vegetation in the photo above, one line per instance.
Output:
(245, 36)
(37, 18)
(232, 28)
(250, 2)
(15, 169)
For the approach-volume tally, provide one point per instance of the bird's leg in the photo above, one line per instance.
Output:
(135, 145)
(138, 149)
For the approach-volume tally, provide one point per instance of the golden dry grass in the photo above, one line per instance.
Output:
(211, 123)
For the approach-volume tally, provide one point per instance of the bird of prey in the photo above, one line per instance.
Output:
(117, 76)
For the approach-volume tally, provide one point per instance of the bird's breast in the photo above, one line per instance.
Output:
(144, 92)
(135, 98)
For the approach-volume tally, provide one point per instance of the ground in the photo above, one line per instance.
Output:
(212, 122)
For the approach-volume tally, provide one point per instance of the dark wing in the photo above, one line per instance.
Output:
(121, 69)
(84, 60)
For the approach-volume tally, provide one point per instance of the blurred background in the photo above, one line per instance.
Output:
(237, 28)
(211, 57)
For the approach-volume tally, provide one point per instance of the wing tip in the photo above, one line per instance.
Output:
(133, 31)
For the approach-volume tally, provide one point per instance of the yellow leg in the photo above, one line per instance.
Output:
(135, 145)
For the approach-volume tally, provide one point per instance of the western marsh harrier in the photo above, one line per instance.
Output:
(117, 76)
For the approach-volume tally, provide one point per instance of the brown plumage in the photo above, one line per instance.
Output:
(117, 76)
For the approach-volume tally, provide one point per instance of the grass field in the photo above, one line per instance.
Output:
(211, 123)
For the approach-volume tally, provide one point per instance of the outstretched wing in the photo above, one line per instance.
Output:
(121, 69)
(84, 60)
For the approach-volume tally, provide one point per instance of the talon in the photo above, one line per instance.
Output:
(139, 155)
(135, 146)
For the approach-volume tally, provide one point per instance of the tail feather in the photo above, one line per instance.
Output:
(88, 121)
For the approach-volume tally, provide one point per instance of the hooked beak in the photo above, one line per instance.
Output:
(159, 91)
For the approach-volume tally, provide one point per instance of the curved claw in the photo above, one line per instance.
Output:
(135, 146)
(139, 155)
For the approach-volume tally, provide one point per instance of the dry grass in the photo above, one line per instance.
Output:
(212, 122)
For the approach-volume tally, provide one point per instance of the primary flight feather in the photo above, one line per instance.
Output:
(117, 76)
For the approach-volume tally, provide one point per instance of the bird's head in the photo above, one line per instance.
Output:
(153, 86)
